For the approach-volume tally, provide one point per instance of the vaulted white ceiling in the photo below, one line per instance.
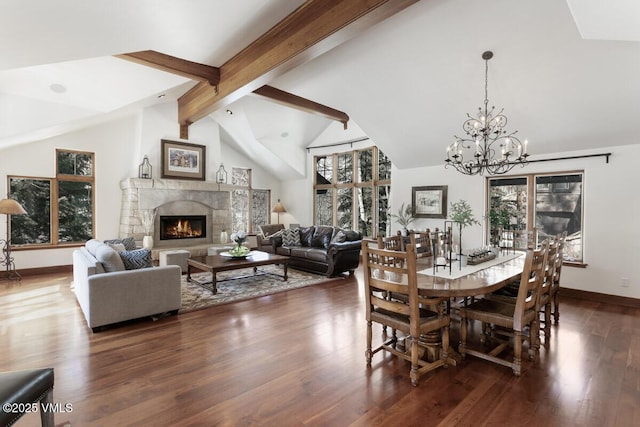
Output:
(566, 73)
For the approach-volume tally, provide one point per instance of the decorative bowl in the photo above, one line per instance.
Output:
(239, 251)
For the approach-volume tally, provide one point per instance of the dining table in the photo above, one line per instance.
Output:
(463, 282)
(479, 281)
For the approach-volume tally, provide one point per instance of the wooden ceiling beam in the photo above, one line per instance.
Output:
(206, 74)
(311, 30)
(294, 101)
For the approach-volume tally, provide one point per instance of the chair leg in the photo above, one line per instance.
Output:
(414, 361)
(534, 339)
(556, 311)
(463, 336)
(547, 324)
(517, 350)
(368, 353)
(46, 413)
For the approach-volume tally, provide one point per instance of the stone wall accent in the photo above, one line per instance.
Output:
(174, 197)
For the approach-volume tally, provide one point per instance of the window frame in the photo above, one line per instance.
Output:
(54, 212)
(355, 185)
(532, 196)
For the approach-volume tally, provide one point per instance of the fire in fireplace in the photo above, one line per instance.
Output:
(183, 227)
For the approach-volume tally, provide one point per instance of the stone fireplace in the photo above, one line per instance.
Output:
(204, 205)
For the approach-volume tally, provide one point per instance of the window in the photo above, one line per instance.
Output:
(248, 203)
(552, 203)
(352, 191)
(59, 210)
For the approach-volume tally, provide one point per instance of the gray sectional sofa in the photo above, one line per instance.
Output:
(109, 293)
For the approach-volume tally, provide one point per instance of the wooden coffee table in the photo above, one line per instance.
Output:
(216, 263)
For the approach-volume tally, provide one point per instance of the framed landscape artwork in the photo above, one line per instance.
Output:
(429, 202)
(181, 160)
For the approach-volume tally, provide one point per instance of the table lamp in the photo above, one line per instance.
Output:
(9, 207)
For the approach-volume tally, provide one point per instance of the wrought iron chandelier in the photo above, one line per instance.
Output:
(487, 147)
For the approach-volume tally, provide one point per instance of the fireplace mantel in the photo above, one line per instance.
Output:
(142, 194)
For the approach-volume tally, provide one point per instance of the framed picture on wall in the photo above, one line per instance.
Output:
(429, 201)
(182, 160)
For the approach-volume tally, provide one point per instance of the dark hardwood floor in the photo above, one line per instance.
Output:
(297, 358)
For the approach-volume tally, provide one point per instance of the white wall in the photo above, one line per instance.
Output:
(119, 147)
(611, 213)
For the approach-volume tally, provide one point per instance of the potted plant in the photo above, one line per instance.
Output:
(461, 213)
(404, 217)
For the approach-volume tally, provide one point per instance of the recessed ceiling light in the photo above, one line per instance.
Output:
(284, 134)
(162, 95)
(58, 88)
(229, 112)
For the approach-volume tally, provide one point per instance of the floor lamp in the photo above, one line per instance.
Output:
(278, 208)
(9, 207)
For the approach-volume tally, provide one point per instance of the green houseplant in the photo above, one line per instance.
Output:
(461, 213)
(404, 217)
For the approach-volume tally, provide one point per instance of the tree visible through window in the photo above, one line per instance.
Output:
(355, 193)
(59, 210)
(550, 203)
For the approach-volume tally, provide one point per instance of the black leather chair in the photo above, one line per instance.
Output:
(33, 386)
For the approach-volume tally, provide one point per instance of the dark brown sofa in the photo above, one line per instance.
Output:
(321, 249)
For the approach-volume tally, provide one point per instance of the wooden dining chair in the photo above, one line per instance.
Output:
(544, 305)
(392, 243)
(407, 316)
(422, 243)
(516, 240)
(555, 286)
(513, 318)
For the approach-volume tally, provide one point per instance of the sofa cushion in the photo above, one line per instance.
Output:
(315, 254)
(128, 242)
(322, 236)
(352, 235)
(306, 234)
(283, 250)
(109, 258)
(139, 258)
(290, 238)
(339, 237)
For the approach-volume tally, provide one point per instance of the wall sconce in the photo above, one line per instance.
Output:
(221, 175)
(144, 170)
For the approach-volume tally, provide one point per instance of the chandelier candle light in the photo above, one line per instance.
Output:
(487, 147)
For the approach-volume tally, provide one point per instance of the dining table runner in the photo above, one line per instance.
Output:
(457, 272)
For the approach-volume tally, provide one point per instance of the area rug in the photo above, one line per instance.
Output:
(195, 297)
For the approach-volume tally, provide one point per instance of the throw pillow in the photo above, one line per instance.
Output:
(109, 258)
(340, 237)
(128, 242)
(118, 247)
(290, 238)
(139, 258)
(92, 245)
(276, 234)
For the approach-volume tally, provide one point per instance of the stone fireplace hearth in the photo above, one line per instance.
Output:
(174, 198)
